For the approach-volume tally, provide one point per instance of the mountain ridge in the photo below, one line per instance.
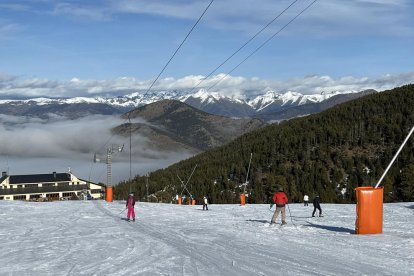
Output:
(186, 125)
(265, 106)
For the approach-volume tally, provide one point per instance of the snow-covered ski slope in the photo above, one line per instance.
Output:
(92, 238)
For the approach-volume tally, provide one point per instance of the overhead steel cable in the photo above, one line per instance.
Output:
(263, 44)
(191, 30)
(176, 51)
(244, 45)
(128, 119)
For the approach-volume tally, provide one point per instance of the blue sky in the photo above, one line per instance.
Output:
(118, 46)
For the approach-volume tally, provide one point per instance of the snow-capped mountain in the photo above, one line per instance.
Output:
(273, 101)
(268, 103)
(219, 104)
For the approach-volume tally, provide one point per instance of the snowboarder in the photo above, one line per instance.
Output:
(280, 199)
(205, 202)
(130, 204)
(305, 200)
(317, 205)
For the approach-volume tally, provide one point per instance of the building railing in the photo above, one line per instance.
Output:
(40, 190)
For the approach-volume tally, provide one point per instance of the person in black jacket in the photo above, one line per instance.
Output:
(317, 205)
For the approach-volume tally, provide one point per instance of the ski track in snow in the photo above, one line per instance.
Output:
(92, 238)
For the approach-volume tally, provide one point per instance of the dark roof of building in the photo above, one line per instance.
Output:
(39, 178)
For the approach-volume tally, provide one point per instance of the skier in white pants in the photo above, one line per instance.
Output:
(205, 202)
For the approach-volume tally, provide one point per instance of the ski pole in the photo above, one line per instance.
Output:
(290, 215)
(122, 211)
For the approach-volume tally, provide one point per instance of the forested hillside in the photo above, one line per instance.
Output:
(329, 154)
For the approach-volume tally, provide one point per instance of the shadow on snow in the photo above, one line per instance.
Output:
(258, 220)
(331, 228)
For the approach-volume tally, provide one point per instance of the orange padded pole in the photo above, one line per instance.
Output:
(242, 199)
(369, 210)
(109, 193)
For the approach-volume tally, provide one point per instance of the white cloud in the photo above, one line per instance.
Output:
(9, 29)
(97, 13)
(4, 77)
(333, 18)
(42, 146)
(230, 85)
(13, 7)
(176, 9)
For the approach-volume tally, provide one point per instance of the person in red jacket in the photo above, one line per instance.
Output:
(280, 199)
(130, 204)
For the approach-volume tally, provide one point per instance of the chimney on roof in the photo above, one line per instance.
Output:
(3, 174)
(54, 174)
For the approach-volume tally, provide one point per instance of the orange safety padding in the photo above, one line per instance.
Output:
(180, 200)
(109, 193)
(242, 199)
(193, 202)
(369, 210)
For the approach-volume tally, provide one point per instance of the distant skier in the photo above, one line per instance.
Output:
(205, 202)
(305, 200)
(280, 199)
(317, 205)
(130, 204)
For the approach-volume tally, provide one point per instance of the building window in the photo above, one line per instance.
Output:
(52, 196)
(19, 197)
(48, 184)
(31, 185)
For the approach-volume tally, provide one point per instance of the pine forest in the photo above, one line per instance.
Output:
(329, 154)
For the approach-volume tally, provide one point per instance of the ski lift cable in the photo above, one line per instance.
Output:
(191, 30)
(130, 153)
(244, 45)
(163, 69)
(176, 51)
(262, 45)
(199, 19)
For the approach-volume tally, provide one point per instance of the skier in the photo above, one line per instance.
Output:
(305, 200)
(280, 199)
(317, 205)
(205, 202)
(130, 204)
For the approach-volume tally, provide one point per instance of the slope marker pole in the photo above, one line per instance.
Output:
(395, 157)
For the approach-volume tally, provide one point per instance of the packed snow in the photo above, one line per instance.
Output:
(93, 238)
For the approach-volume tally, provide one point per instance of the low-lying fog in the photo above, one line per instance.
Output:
(37, 146)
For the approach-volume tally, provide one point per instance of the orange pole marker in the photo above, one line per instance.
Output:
(242, 199)
(180, 200)
(109, 194)
(369, 210)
